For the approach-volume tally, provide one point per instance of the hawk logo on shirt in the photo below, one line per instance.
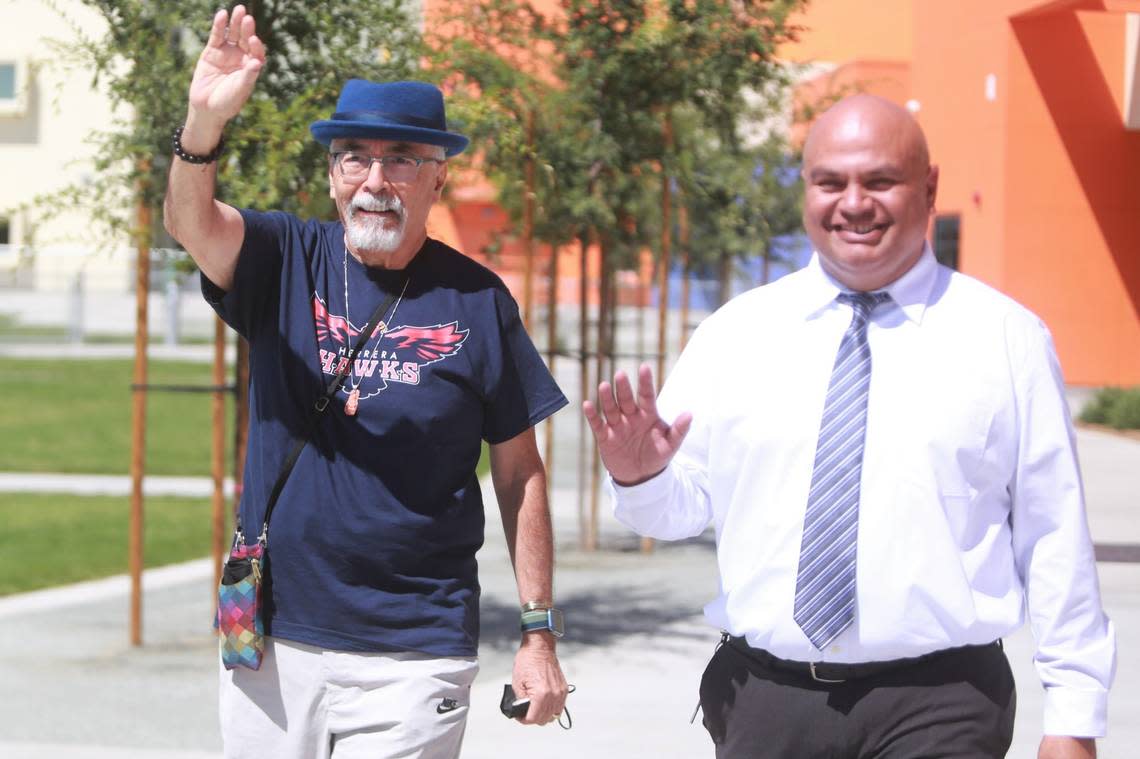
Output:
(336, 327)
(429, 343)
(395, 355)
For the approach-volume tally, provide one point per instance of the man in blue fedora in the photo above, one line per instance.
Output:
(371, 598)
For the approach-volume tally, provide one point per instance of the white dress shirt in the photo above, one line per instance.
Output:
(971, 500)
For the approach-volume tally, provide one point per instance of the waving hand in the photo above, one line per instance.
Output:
(635, 443)
(209, 230)
(228, 67)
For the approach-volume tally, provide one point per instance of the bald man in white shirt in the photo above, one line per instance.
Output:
(878, 531)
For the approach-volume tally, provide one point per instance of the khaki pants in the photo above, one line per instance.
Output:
(309, 703)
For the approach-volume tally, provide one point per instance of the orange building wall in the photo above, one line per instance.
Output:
(469, 220)
(958, 44)
(1073, 227)
(1039, 175)
(838, 31)
(888, 79)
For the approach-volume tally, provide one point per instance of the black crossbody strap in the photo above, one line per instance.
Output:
(320, 405)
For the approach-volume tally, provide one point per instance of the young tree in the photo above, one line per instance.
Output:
(585, 118)
(145, 59)
(535, 138)
(638, 65)
(740, 199)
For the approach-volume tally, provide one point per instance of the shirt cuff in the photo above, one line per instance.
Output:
(639, 507)
(645, 493)
(1075, 713)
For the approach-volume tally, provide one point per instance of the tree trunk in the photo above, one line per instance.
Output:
(584, 384)
(725, 279)
(614, 309)
(664, 258)
(642, 303)
(528, 224)
(551, 357)
(687, 275)
(138, 412)
(600, 354)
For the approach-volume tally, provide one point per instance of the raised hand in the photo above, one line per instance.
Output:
(228, 67)
(634, 441)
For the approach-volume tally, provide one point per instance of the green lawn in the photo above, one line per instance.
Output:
(14, 331)
(51, 540)
(75, 416)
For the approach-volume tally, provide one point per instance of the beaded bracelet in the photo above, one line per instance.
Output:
(176, 141)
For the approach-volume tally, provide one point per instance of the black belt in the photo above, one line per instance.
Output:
(835, 672)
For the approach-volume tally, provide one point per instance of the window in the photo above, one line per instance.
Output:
(946, 231)
(13, 88)
(7, 81)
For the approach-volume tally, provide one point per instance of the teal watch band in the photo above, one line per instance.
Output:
(543, 619)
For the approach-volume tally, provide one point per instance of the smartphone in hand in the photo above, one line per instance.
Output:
(511, 706)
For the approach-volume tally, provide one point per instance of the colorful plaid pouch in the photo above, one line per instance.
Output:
(239, 607)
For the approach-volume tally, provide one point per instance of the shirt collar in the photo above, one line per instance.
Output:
(911, 291)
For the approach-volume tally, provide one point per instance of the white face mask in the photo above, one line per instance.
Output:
(374, 235)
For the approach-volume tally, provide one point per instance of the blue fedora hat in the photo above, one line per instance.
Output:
(409, 111)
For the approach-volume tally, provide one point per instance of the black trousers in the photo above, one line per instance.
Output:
(957, 705)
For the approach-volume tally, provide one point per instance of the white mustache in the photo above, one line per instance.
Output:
(376, 204)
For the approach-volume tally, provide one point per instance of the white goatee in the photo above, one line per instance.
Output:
(372, 235)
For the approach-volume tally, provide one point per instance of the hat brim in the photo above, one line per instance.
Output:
(327, 130)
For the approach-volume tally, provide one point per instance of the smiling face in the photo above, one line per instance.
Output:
(385, 222)
(869, 191)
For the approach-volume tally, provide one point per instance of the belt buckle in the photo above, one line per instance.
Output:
(817, 678)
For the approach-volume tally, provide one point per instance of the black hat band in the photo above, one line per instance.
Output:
(380, 117)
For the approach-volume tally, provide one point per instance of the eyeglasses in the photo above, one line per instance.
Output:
(401, 169)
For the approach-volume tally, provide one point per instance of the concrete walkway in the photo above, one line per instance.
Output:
(108, 484)
(72, 688)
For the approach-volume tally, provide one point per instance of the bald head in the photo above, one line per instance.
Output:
(869, 117)
(869, 190)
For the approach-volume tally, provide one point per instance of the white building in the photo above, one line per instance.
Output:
(48, 110)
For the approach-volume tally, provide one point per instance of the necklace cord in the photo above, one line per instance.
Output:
(320, 405)
(353, 378)
(323, 402)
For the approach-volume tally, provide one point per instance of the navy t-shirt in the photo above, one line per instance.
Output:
(372, 542)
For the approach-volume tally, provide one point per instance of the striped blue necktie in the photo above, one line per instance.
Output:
(825, 584)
